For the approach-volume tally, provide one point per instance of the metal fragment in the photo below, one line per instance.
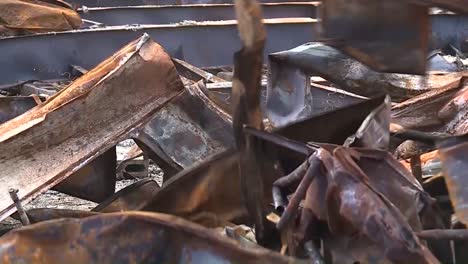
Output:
(46, 145)
(128, 237)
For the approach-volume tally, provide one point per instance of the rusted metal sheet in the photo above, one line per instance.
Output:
(36, 57)
(377, 33)
(189, 127)
(128, 237)
(453, 153)
(288, 92)
(94, 182)
(290, 96)
(195, 192)
(344, 188)
(46, 145)
(441, 110)
(131, 198)
(165, 14)
(36, 16)
(216, 178)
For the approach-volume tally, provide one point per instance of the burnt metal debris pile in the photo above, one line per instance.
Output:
(307, 132)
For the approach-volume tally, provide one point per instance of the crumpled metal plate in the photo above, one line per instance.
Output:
(189, 127)
(132, 237)
(47, 144)
(442, 110)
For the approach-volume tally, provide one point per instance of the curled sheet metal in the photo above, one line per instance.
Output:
(47, 144)
(206, 193)
(287, 85)
(368, 217)
(453, 153)
(442, 110)
(374, 131)
(34, 16)
(131, 198)
(377, 33)
(132, 237)
(291, 96)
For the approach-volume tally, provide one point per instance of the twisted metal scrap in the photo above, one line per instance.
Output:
(352, 207)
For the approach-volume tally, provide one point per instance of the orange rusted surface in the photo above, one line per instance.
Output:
(131, 237)
(37, 16)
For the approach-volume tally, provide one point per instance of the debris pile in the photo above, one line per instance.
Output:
(339, 145)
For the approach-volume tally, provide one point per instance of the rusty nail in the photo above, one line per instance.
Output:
(23, 216)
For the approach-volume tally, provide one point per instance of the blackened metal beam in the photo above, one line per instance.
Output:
(49, 56)
(102, 3)
(115, 16)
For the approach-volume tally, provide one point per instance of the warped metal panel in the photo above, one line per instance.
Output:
(131, 237)
(49, 56)
(47, 144)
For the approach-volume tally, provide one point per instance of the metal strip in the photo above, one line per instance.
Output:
(49, 56)
(114, 16)
(109, 3)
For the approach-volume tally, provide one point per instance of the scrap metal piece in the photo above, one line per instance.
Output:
(94, 182)
(38, 215)
(374, 131)
(128, 237)
(131, 198)
(439, 110)
(195, 193)
(36, 16)
(47, 144)
(19, 207)
(288, 95)
(166, 14)
(194, 73)
(453, 153)
(133, 169)
(189, 127)
(115, 3)
(36, 57)
(246, 93)
(387, 36)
